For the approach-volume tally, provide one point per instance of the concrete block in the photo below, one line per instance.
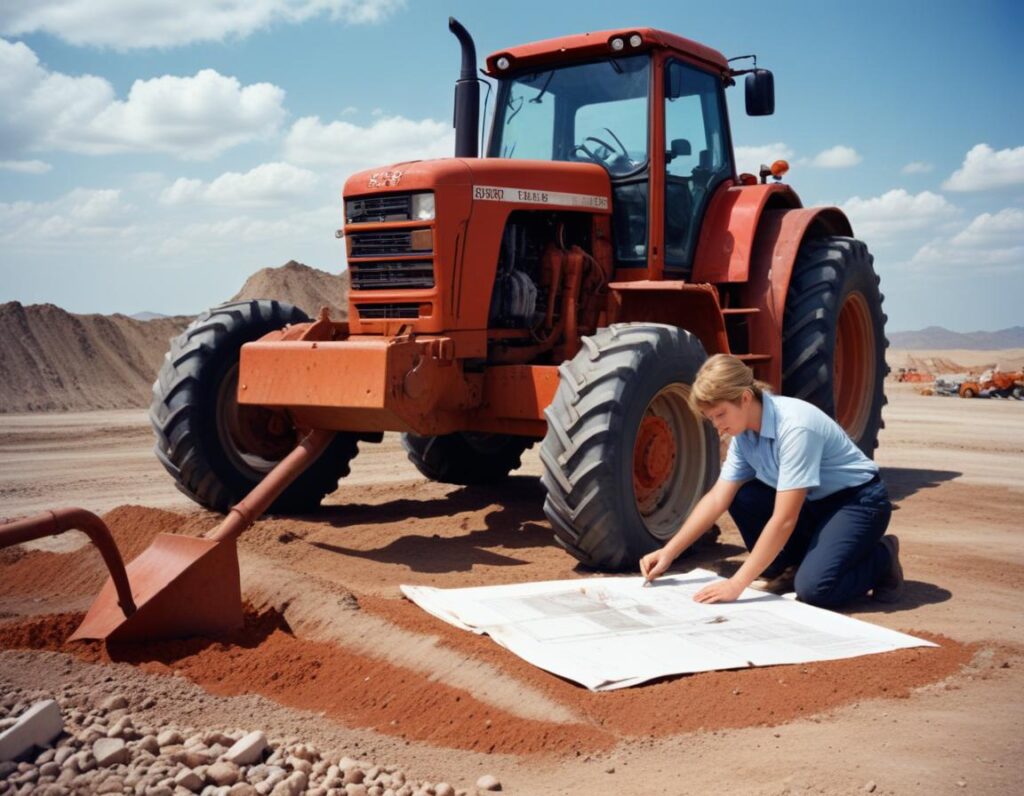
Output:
(37, 726)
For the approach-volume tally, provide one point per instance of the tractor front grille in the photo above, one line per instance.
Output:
(392, 275)
(380, 244)
(376, 312)
(378, 209)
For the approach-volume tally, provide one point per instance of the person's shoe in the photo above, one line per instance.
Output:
(782, 583)
(890, 588)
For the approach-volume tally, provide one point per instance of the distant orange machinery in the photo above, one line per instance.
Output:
(564, 289)
(994, 383)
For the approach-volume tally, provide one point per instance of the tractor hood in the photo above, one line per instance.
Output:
(543, 183)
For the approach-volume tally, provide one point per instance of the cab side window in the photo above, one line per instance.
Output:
(696, 160)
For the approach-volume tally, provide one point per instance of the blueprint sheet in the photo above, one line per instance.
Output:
(607, 633)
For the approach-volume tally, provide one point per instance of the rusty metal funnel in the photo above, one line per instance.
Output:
(181, 586)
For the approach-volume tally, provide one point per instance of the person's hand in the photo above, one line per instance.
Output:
(654, 564)
(723, 591)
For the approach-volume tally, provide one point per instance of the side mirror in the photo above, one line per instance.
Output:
(679, 148)
(760, 93)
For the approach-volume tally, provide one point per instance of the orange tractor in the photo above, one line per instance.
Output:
(562, 289)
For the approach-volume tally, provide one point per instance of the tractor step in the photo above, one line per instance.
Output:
(740, 311)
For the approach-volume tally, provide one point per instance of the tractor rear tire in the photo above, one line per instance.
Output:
(625, 457)
(833, 336)
(215, 449)
(465, 458)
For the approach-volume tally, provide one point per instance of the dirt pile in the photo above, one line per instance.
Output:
(56, 361)
(53, 360)
(307, 288)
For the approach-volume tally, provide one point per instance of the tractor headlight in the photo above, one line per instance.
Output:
(422, 207)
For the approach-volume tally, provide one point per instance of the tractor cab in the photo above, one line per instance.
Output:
(647, 106)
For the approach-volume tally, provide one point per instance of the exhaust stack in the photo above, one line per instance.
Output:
(467, 96)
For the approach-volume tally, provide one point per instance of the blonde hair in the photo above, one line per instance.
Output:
(723, 378)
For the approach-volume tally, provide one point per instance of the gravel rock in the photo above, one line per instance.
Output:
(299, 764)
(114, 702)
(110, 752)
(443, 789)
(189, 780)
(488, 782)
(293, 786)
(192, 758)
(111, 785)
(242, 789)
(354, 776)
(222, 773)
(354, 789)
(249, 749)
(169, 738)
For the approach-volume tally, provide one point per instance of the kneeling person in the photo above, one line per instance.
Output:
(800, 491)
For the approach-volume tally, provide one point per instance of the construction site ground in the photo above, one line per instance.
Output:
(335, 656)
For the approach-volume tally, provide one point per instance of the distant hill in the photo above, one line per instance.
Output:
(936, 337)
(146, 316)
(305, 287)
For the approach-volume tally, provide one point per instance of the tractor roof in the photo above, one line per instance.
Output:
(590, 45)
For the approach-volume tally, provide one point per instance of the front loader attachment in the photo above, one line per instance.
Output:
(179, 586)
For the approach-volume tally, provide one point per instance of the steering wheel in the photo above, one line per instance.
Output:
(608, 157)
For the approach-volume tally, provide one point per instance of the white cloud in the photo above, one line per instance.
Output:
(191, 117)
(25, 166)
(268, 184)
(79, 213)
(129, 24)
(992, 243)
(390, 139)
(917, 167)
(896, 213)
(750, 158)
(837, 157)
(984, 168)
(988, 229)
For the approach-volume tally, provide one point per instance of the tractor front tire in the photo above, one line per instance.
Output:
(466, 458)
(833, 336)
(625, 457)
(215, 449)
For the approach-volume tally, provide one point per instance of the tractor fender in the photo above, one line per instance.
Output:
(729, 231)
(779, 236)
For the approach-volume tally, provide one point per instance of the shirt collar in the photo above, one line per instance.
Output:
(767, 416)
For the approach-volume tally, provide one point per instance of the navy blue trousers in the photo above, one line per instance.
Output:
(836, 542)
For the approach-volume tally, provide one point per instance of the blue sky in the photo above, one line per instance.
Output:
(154, 153)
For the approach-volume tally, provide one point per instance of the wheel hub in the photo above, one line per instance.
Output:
(654, 456)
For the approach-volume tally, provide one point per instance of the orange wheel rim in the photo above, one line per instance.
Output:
(854, 365)
(668, 467)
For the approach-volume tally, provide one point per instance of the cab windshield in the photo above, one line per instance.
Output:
(589, 113)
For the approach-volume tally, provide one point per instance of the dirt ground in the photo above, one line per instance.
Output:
(335, 655)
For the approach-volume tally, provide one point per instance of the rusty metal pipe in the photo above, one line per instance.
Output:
(248, 509)
(54, 523)
(573, 278)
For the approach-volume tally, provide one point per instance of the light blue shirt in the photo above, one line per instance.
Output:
(799, 447)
